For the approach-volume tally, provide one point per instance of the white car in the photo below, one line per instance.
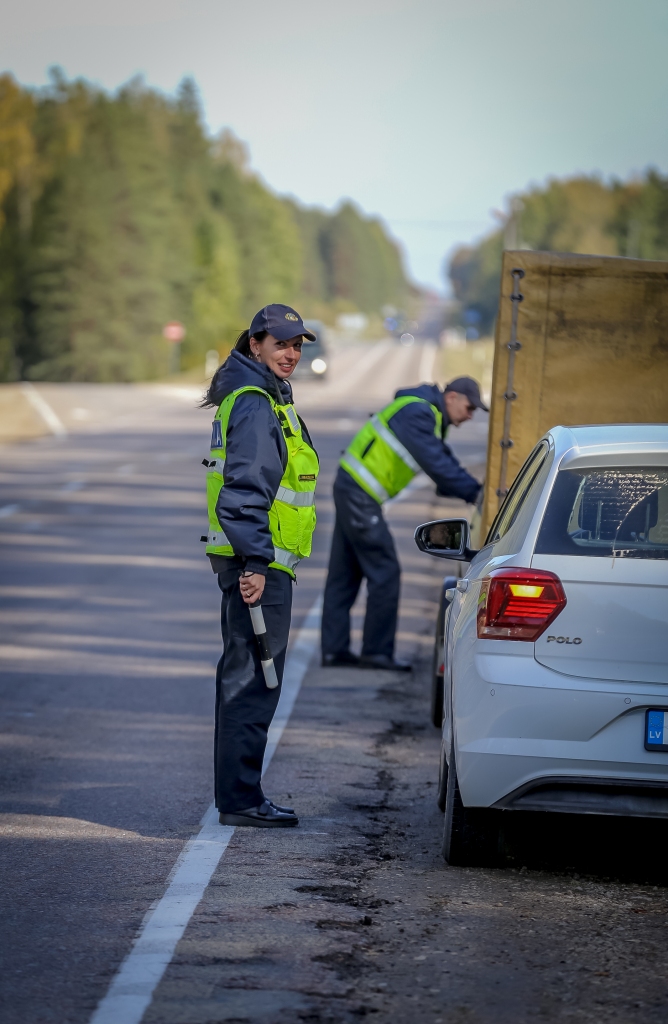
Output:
(555, 656)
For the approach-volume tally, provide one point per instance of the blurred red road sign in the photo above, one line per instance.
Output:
(174, 331)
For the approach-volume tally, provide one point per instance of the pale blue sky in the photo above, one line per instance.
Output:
(427, 113)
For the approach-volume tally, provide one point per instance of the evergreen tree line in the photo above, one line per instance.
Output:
(119, 213)
(583, 215)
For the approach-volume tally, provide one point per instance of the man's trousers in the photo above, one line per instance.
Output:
(362, 547)
(244, 704)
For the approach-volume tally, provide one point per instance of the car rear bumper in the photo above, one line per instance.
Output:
(530, 738)
(571, 795)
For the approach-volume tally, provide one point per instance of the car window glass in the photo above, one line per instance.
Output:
(620, 511)
(517, 494)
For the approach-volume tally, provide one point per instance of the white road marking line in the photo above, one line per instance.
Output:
(42, 407)
(297, 662)
(131, 990)
(427, 360)
(8, 510)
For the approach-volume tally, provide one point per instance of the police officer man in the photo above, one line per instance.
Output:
(405, 437)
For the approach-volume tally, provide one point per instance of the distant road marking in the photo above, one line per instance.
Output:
(8, 510)
(42, 407)
(427, 360)
(131, 991)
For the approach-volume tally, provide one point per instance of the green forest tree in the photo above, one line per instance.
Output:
(119, 212)
(581, 215)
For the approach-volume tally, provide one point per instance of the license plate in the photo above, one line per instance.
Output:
(656, 729)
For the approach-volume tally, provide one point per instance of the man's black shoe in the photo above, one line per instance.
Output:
(264, 816)
(344, 659)
(382, 661)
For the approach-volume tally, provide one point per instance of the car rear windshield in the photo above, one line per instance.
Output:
(620, 511)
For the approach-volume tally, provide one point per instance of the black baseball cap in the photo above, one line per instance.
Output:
(282, 322)
(467, 386)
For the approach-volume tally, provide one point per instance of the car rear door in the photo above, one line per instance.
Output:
(605, 535)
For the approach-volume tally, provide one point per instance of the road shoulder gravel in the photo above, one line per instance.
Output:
(356, 914)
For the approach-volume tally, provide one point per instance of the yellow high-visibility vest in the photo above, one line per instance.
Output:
(292, 516)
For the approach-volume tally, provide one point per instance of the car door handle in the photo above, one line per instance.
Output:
(462, 585)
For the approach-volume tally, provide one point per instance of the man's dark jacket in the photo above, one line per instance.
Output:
(414, 427)
(255, 459)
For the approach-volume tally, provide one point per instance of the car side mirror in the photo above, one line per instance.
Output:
(446, 538)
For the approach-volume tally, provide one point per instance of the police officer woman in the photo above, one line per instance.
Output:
(260, 493)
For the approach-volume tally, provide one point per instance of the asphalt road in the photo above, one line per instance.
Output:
(109, 632)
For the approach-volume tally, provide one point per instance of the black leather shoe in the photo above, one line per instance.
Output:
(344, 659)
(283, 810)
(264, 816)
(382, 661)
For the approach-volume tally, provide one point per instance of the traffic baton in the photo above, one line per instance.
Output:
(266, 660)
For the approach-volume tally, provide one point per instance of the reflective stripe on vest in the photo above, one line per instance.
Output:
(350, 460)
(377, 459)
(302, 499)
(394, 443)
(282, 557)
(216, 466)
(286, 558)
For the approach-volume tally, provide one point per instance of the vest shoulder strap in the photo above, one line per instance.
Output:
(230, 399)
(222, 417)
(400, 403)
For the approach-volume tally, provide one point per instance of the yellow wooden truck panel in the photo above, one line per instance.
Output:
(594, 337)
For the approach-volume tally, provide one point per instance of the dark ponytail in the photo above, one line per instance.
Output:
(242, 345)
(243, 342)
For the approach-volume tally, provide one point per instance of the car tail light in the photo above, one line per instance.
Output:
(518, 604)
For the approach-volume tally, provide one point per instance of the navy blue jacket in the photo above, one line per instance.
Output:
(255, 459)
(414, 426)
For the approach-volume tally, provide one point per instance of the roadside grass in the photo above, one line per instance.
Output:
(473, 359)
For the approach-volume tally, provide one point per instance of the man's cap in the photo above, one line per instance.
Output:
(282, 322)
(467, 386)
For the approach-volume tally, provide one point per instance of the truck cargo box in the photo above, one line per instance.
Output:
(591, 338)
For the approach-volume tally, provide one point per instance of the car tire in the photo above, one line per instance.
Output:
(436, 675)
(442, 794)
(470, 834)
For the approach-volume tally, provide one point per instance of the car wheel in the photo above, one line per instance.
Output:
(442, 779)
(437, 666)
(470, 834)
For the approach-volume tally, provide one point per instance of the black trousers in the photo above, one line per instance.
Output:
(362, 547)
(244, 705)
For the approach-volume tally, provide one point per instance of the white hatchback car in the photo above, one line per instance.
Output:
(556, 641)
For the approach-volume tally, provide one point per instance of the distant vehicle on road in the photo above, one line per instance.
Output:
(554, 653)
(313, 364)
